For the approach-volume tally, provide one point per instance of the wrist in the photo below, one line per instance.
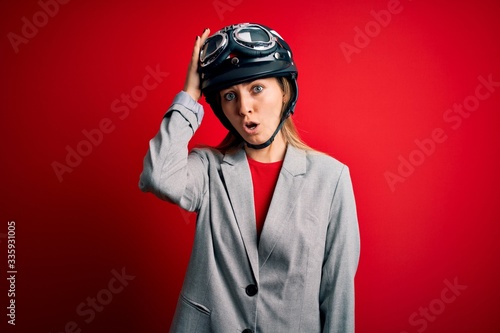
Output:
(194, 95)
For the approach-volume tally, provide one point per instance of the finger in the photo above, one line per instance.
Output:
(191, 85)
(204, 35)
(193, 64)
(199, 43)
(196, 50)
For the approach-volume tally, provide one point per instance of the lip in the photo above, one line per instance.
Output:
(251, 127)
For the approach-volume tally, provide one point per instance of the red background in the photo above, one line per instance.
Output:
(440, 224)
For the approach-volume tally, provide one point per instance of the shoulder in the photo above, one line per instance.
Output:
(331, 177)
(314, 165)
(215, 157)
(320, 158)
(324, 164)
(208, 153)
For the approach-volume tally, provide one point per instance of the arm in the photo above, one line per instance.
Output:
(169, 172)
(341, 261)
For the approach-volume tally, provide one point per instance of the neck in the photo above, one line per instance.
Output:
(273, 153)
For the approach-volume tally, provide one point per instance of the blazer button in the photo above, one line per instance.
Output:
(251, 290)
(247, 330)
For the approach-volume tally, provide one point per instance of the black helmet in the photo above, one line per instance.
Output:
(240, 53)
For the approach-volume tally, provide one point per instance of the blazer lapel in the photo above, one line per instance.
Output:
(285, 198)
(239, 186)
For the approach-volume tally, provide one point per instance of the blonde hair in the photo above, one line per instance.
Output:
(288, 130)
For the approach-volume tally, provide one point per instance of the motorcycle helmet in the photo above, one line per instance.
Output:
(240, 53)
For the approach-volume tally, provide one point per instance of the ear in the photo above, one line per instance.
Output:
(285, 99)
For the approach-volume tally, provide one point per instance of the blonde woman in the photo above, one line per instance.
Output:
(277, 242)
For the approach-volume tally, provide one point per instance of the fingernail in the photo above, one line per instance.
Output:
(205, 29)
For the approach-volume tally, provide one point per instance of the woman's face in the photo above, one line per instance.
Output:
(254, 108)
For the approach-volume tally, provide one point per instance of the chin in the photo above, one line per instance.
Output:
(253, 142)
(255, 139)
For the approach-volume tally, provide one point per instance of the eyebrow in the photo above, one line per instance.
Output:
(243, 83)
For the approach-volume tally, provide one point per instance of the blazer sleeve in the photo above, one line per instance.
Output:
(169, 171)
(341, 260)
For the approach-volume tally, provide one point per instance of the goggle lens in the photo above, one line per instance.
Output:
(213, 45)
(252, 35)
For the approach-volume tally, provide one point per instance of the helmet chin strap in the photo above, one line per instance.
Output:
(271, 139)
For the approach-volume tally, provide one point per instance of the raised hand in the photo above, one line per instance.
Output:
(192, 83)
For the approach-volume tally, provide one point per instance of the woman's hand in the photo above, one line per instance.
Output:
(192, 84)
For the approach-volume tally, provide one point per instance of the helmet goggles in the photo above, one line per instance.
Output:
(245, 39)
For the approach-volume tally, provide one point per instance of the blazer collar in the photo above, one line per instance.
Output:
(238, 182)
(239, 186)
(285, 197)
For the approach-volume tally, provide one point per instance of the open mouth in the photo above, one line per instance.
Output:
(250, 125)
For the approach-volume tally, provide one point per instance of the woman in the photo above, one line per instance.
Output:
(276, 245)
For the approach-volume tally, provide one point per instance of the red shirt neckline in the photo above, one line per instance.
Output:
(264, 179)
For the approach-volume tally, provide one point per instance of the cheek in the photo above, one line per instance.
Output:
(228, 111)
(225, 110)
(275, 107)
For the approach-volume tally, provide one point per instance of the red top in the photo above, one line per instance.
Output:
(264, 179)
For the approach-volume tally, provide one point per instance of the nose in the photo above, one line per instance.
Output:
(245, 104)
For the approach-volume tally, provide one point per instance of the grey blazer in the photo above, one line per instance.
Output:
(299, 277)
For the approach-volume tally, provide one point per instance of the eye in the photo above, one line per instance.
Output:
(257, 88)
(229, 96)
